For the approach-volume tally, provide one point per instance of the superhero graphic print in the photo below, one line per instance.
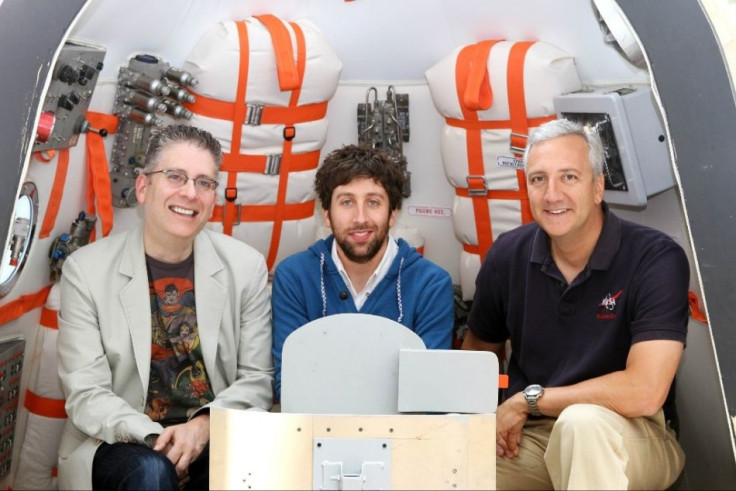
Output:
(178, 383)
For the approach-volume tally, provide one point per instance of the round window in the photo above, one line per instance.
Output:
(25, 216)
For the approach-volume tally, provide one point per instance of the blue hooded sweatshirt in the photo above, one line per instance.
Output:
(415, 293)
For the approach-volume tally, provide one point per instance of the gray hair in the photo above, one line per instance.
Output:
(178, 133)
(563, 127)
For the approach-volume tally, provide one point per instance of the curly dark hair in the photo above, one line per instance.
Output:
(350, 162)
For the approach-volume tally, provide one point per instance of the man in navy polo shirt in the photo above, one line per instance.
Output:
(596, 311)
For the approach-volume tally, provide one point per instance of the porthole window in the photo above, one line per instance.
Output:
(25, 216)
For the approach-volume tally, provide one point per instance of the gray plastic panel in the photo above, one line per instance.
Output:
(447, 381)
(344, 364)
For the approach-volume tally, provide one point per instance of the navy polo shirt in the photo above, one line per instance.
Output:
(634, 288)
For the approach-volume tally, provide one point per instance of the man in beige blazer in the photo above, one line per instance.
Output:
(138, 382)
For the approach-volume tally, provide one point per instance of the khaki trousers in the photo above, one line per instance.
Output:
(591, 447)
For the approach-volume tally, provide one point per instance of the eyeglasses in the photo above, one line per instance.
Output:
(177, 179)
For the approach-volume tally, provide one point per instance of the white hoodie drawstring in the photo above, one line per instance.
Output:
(398, 293)
(324, 294)
(322, 283)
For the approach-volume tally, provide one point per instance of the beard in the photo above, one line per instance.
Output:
(366, 251)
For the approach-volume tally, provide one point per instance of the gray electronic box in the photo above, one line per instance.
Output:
(638, 163)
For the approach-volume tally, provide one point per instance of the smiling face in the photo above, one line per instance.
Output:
(174, 216)
(360, 217)
(564, 197)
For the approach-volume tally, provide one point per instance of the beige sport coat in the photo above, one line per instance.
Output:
(104, 341)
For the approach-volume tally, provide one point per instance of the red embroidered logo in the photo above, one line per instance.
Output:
(609, 305)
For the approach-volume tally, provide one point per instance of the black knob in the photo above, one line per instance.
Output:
(87, 72)
(68, 75)
(66, 103)
(102, 131)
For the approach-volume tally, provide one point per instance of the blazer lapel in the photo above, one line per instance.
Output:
(136, 302)
(210, 296)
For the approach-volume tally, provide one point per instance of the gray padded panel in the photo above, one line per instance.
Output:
(344, 364)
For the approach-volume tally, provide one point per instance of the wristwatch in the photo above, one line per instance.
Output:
(532, 393)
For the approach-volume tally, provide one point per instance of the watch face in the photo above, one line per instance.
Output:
(533, 390)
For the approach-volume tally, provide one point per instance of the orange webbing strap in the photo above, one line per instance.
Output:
(238, 119)
(44, 406)
(269, 212)
(98, 172)
(290, 77)
(517, 101)
(49, 318)
(478, 93)
(695, 311)
(468, 60)
(503, 381)
(517, 113)
(501, 124)
(287, 158)
(36, 404)
(257, 163)
(214, 108)
(25, 303)
(57, 190)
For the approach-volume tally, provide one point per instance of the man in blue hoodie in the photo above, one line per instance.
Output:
(360, 268)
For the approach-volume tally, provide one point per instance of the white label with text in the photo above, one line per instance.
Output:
(510, 162)
(430, 211)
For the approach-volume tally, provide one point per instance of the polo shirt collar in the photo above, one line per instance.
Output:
(605, 249)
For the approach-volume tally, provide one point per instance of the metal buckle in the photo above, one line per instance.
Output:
(514, 148)
(273, 164)
(237, 214)
(253, 114)
(477, 192)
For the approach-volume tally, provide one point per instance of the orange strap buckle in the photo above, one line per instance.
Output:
(477, 185)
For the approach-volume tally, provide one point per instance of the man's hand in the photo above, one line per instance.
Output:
(510, 419)
(183, 443)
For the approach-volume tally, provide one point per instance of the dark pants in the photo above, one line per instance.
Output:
(131, 466)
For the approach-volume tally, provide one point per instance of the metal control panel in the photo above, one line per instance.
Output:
(150, 92)
(384, 124)
(67, 100)
(11, 366)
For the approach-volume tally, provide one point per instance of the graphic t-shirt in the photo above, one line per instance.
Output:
(178, 384)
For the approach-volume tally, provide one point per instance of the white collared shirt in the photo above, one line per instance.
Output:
(388, 257)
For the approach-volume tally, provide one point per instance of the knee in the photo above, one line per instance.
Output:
(153, 471)
(581, 417)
